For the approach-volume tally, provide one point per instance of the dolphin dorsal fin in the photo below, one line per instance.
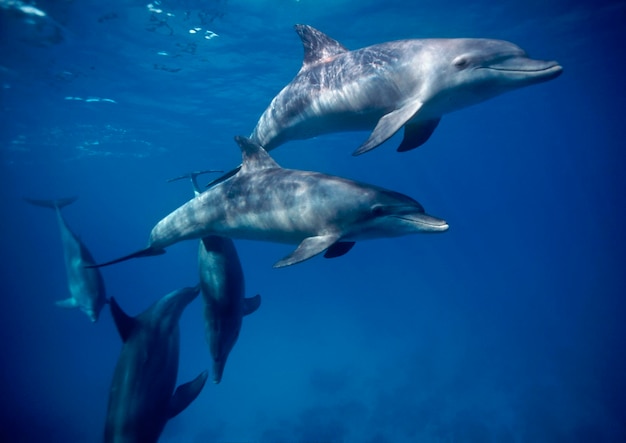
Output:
(251, 304)
(254, 156)
(317, 45)
(124, 322)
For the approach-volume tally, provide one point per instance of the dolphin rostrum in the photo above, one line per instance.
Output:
(318, 212)
(85, 284)
(384, 87)
(223, 291)
(140, 398)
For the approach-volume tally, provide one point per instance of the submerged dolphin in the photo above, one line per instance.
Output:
(318, 212)
(223, 290)
(85, 284)
(384, 87)
(140, 399)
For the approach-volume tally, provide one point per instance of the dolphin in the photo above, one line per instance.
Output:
(223, 289)
(85, 284)
(318, 212)
(387, 86)
(140, 398)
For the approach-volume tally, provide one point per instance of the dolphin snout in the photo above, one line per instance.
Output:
(428, 223)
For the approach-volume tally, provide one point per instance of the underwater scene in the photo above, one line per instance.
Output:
(312, 221)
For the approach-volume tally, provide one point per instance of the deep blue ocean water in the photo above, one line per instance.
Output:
(507, 328)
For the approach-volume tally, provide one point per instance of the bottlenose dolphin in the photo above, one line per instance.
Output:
(140, 398)
(384, 87)
(318, 212)
(223, 290)
(85, 284)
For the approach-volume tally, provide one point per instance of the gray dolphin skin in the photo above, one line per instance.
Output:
(223, 291)
(384, 87)
(85, 284)
(142, 397)
(315, 211)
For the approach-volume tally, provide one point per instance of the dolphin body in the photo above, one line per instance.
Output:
(223, 291)
(140, 398)
(85, 284)
(318, 212)
(384, 87)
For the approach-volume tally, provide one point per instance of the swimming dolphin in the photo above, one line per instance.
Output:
(223, 290)
(318, 212)
(384, 87)
(140, 398)
(85, 284)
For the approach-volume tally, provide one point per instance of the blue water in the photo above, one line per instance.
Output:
(507, 328)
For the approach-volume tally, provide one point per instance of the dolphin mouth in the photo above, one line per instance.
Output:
(553, 70)
(425, 222)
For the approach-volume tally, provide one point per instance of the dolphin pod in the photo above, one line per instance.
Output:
(384, 87)
(85, 284)
(318, 212)
(223, 290)
(142, 397)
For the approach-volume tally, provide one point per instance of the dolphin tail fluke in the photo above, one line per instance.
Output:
(224, 177)
(193, 176)
(186, 393)
(147, 252)
(52, 204)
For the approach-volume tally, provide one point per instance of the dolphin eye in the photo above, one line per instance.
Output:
(461, 62)
(378, 210)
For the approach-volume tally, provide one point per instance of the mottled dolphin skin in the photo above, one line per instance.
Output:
(315, 211)
(223, 291)
(86, 285)
(140, 398)
(384, 87)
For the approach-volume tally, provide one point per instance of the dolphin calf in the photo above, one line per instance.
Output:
(384, 87)
(140, 398)
(85, 284)
(223, 290)
(318, 212)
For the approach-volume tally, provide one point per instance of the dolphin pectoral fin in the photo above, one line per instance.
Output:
(416, 134)
(251, 304)
(309, 247)
(338, 249)
(388, 125)
(124, 322)
(68, 303)
(147, 252)
(186, 393)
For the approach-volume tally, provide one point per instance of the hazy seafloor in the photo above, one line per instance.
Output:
(507, 328)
